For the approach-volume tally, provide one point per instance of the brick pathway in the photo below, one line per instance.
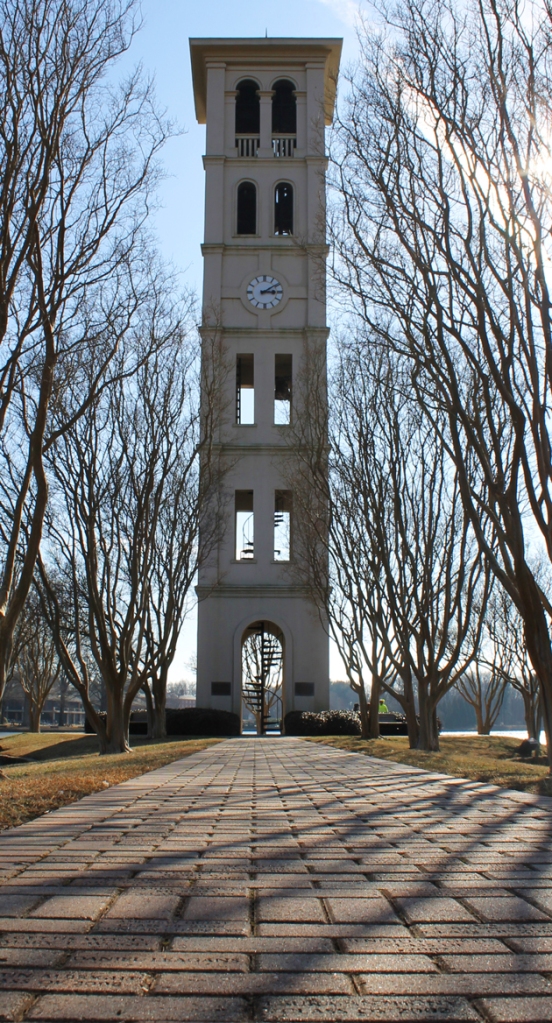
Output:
(278, 880)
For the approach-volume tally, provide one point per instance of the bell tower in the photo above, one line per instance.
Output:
(262, 648)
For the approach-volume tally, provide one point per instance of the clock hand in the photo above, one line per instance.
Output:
(268, 291)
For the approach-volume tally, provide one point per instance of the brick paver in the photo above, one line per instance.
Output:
(277, 880)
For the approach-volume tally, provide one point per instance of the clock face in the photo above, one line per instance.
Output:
(264, 292)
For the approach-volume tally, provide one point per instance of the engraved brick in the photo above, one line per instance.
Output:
(328, 1009)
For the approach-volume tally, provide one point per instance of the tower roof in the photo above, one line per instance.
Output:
(262, 52)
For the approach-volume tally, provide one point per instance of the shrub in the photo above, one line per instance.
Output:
(89, 727)
(326, 722)
(138, 724)
(201, 721)
(184, 721)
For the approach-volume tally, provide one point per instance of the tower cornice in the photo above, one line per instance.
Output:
(283, 244)
(324, 52)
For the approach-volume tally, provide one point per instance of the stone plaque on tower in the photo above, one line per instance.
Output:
(262, 647)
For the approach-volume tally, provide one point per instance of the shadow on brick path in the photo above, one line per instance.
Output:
(277, 880)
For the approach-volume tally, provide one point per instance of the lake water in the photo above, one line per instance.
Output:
(512, 733)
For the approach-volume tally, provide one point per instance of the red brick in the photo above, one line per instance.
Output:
(139, 906)
(151, 1010)
(253, 983)
(424, 910)
(510, 908)
(517, 1010)
(289, 909)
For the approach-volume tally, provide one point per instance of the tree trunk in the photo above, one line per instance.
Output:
(26, 716)
(149, 709)
(159, 723)
(5, 657)
(529, 713)
(116, 740)
(428, 736)
(375, 694)
(159, 703)
(365, 718)
(408, 704)
(34, 717)
(479, 718)
(537, 639)
(61, 715)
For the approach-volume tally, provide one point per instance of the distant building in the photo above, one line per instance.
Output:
(62, 709)
(178, 702)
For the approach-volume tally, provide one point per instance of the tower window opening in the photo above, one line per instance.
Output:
(248, 110)
(245, 531)
(284, 108)
(283, 208)
(282, 390)
(245, 390)
(282, 525)
(247, 208)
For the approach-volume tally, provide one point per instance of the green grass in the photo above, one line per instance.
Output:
(64, 767)
(486, 758)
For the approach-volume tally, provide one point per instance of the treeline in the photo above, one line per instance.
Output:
(455, 713)
(100, 436)
(423, 528)
(432, 503)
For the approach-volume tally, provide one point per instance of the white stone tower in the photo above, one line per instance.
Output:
(262, 649)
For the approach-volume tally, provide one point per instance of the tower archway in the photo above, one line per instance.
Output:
(262, 676)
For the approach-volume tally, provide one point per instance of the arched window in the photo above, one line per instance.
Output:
(247, 208)
(284, 108)
(283, 208)
(248, 117)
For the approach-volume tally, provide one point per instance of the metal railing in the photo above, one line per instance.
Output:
(284, 145)
(247, 145)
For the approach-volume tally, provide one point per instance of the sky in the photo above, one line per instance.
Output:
(163, 49)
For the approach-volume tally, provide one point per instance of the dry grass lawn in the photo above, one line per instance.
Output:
(487, 758)
(65, 766)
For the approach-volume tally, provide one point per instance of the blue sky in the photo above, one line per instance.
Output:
(162, 47)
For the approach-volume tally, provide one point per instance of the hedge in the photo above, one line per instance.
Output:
(201, 721)
(185, 721)
(326, 722)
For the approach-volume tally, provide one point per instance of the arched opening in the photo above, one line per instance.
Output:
(284, 108)
(247, 208)
(284, 118)
(283, 208)
(248, 117)
(262, 676)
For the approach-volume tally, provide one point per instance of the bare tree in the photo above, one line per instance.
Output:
(505, 653)
(485, 692)
(407, 582)
(434, 579)
(124, 477)
(443, 171)
(333, 554)
(191, 515)
(36, 666)
(78, 165)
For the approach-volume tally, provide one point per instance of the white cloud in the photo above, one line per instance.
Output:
(346, 10)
